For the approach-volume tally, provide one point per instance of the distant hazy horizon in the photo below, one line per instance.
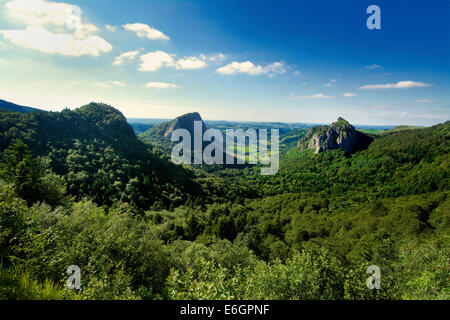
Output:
(158, 120)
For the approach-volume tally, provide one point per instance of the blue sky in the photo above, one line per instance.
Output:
(290, 61)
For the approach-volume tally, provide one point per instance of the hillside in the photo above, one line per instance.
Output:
(340, 135)
(9, 106)
(402, 163)
(161, 231)
(160, 134)
(400, 128)
(99, 155)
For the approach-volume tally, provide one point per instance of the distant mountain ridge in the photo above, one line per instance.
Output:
(185, 122)
(9, 106)
(340, 135)
(160, 134)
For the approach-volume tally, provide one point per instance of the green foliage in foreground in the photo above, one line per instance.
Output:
(124, 256)
(308, 233)
(17, 285)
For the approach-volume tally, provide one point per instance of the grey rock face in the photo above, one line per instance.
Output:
(185, 122)
(340, 135)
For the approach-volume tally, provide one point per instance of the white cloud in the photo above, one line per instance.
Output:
(429, 101)
(398, 85)
(373, 67)
(119, 83)
(275, 68)
(240, 67)
(100, 84)
(161, 85)
(38, 38)
(111, 28)
(330, 84)
(125, 57)
(153, 61)
(108, 83)
(48, 13)
(54, 27)
(191, 63)
(216, 58)
(41, 12)
(349, 95)
(145, 31)
(252, 69)
(200, 62)
(312, 97)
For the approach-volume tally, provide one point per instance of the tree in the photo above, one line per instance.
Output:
(25, 172)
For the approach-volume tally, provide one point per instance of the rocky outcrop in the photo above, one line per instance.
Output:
(184, 122)
(340, 135)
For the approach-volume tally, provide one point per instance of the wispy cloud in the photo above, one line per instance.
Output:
(125, 57)
(250, 68)
(429, 101)
(330, 84)
(161, 85)
(398, 85)
(349, 95)
(423, 116)
(111, 28)
(38, 38)
(373, 67)
(311, 97)
(153, 61)
(119, 83)
(106, 84)
(219, 57)
(145, 31)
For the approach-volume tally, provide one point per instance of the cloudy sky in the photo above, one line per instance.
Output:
(291, 61)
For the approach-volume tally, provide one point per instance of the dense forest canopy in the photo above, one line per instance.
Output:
(80, 188)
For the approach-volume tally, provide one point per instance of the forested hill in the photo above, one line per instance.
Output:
(309, 232)
(395, 164)
(99, 155)
(9, 106)
(44, 130)
(160, 135)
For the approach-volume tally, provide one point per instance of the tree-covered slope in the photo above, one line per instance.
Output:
(401, 163)
(9, 106)
(160, 135)
(309, 232)
(100, 157)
